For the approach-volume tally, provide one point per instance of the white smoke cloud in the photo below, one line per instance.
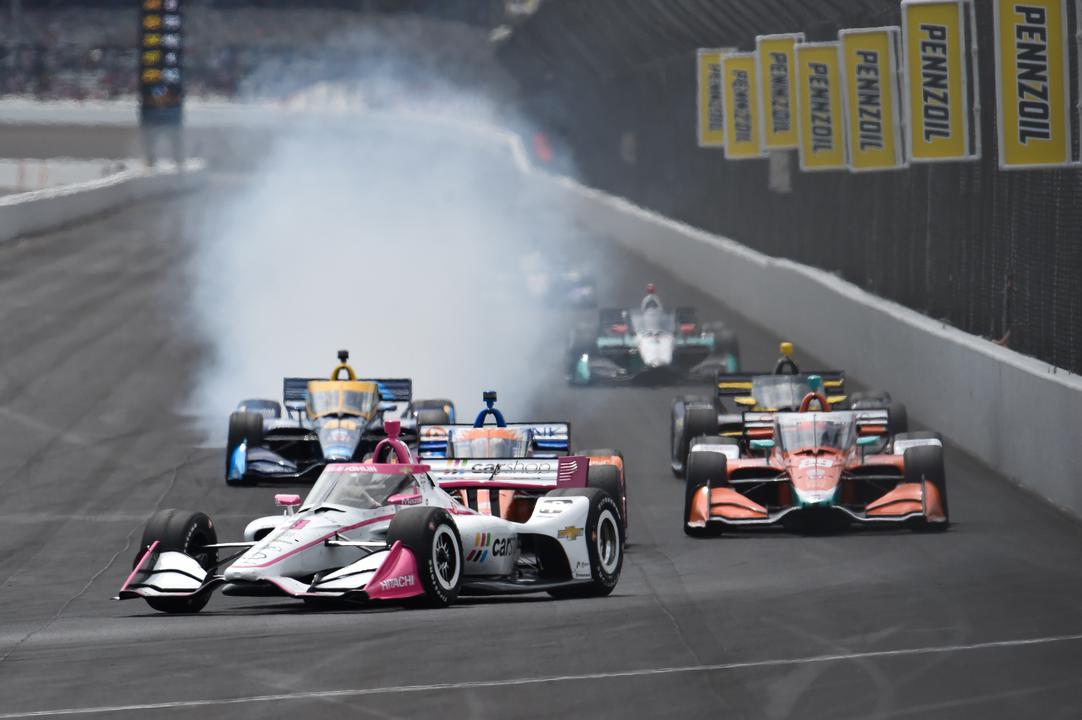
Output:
(395, 235)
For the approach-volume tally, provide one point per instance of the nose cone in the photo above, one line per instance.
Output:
(656, 350)
(291, 550)
(815, 479)
(339, 439)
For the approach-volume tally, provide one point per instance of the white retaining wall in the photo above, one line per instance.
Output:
(22, 175)
(1019, 415)
(42, 210)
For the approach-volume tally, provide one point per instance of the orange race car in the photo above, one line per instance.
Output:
(815, 467)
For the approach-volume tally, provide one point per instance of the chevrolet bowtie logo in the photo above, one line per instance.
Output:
(569, 533)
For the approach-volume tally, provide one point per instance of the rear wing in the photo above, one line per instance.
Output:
(546, 438)
(737, 384)
(510, 473)
(869, 422)
(396, 390)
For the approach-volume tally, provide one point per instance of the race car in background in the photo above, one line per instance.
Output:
(387, 532)
(339, 419)
(650, 345)
(816, 467)
(465, 459)
(558, 281)
(782, 389)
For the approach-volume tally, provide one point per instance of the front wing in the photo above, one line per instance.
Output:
(906, 503)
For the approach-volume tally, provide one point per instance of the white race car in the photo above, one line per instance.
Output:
(373, 531)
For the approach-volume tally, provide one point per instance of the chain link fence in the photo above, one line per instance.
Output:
(998, 254)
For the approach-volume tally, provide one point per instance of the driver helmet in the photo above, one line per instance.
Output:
(651, 301)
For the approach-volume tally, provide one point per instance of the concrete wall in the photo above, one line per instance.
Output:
(44, 210)
(1018, 414)
(25, 174)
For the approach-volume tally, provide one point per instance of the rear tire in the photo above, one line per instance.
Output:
(897, 419)
(925, 464)
(441, 404)
(432, 416)
(698, 419)
(188, 533)
(583, 341)
(870, 400)
(678, 447)
(432, 536)
(604, 544)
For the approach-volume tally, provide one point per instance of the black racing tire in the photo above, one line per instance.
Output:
(677, 436)
(242, 426)
(604, 542)
(725, 340)
(870, 400)
(676, 428)
(432, 536)
(432, 416)
(261, 406)
(442, 404)
(600, 452)
(698, 420)
(897, 419)
(188, 533)
(582, 341)
(925, 464)
(607, 479)
(607, 317)
(705, 469)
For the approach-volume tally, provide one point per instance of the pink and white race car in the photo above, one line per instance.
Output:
(387, 531)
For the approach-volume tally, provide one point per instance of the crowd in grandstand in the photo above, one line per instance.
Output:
(91, 53)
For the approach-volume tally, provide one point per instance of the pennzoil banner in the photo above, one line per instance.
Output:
(742, 139)
(873, 98)
(1032, 83)
(940, 80)
(774, 57)
(710, 106)
(821, 109)
(161, 87)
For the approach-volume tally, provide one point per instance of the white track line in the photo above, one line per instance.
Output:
(645, 672)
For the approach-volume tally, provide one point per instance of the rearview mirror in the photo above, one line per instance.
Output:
(287, 500)
(414, 499)
(868, 440)
(762, 444)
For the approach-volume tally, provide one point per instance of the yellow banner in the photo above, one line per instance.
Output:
(936, 71)
(711, 109)
(1032, 83)
(777, 94)
(872, 100)
(819, 99)
(741, 124)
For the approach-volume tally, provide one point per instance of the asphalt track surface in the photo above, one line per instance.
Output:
(981, 621)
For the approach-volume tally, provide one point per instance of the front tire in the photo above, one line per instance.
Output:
(604, 544)
(432, 536)
(243, 427)
(184, 532)
(705, 469)
(924, 464)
